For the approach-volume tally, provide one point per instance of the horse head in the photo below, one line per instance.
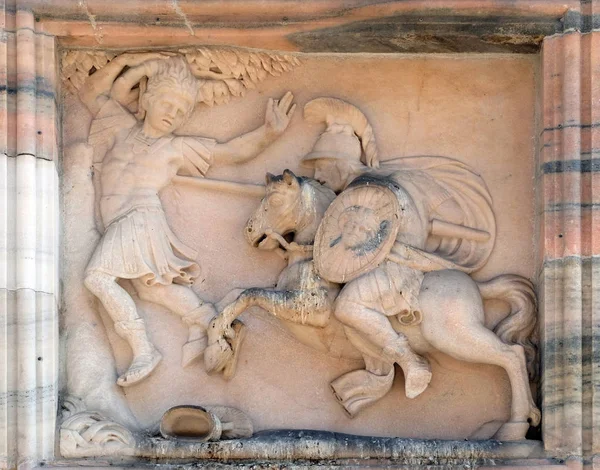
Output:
(292, 208)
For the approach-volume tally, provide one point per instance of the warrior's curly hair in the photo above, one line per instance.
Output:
(174, 74)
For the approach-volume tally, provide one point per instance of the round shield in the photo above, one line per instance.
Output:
(357, 231)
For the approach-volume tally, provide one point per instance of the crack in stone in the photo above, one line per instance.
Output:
(92, 19)
(181, 13)
(8, 155)
(6, 289)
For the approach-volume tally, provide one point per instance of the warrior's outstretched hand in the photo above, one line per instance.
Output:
(279, 114)
(249, 145)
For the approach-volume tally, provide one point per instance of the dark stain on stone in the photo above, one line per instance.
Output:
(374, 242)
(322, 446)
(571, 126)
(335, 242)
(565, 206)
(590, 165)
(442, 32)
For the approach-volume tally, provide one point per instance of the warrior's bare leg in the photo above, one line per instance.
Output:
(377, 329)
(182, 301)
(128, 325)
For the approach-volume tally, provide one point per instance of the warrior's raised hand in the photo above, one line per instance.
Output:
(279, 114)
(247, 146)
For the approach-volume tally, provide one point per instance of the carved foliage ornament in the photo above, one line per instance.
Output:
(225, 72)
(86, 433)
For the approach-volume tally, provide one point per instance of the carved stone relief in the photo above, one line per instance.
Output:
(362, 263)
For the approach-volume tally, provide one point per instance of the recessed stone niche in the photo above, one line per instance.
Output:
(348, 234)
(478, 109)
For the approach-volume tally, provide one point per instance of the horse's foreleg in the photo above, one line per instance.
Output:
(307, 307)
(221, 325)
(222, 337)
(310, 307)
(229, 298)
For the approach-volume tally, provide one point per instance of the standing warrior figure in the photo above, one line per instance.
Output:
(140, 156)
(438, 197)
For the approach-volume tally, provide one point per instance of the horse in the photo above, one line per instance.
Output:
(288, 218)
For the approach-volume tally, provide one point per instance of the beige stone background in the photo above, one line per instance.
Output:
(478, 109)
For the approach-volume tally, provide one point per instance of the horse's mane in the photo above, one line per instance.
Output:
(327, 194)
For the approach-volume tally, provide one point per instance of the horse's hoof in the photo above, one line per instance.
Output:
(417, 381)
(216, 356)
(512, 431)
(239, 330)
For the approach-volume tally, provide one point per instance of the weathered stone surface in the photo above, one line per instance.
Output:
(431, 130)
(440, 114)
(568, 176)
(29, 244)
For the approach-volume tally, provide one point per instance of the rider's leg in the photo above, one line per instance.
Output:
(128, 325)
(182, 301)
(392, 346)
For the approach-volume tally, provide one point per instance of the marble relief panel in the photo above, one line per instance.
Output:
(258, 241)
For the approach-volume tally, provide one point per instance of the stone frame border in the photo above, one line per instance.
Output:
(567, 178)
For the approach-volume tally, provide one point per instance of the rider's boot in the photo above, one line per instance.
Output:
(417, 372)
(197, 321)
(145, 356)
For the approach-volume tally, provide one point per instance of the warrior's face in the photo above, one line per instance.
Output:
(333, 173)
(167, 111)
(354, 234)
(357, 227)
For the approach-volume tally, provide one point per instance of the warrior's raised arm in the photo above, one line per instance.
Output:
(247, 146)
(98, 87)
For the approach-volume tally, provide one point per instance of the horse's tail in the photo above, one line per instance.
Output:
(518, 327)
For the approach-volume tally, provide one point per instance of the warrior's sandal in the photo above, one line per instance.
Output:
(416, 381)
(141, 367)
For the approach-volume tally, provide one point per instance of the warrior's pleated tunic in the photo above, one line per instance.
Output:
(138, 242)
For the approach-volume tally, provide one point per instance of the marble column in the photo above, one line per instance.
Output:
(29, 252)
(569, 182)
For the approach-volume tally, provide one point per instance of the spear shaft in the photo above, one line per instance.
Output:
(247, 189)
(437, 227)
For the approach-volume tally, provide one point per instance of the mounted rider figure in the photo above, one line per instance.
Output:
(445, 222)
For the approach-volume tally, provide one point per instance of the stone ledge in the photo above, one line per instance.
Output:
(298, 445)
